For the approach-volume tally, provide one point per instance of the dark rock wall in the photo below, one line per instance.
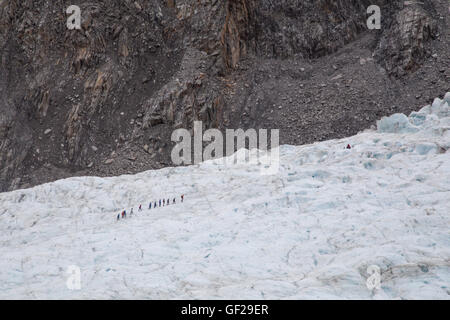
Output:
(105, 99)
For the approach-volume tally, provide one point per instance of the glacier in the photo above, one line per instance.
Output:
(311, 231)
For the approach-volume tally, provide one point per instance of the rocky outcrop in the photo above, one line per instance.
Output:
(310, 28)
(406, 44)
(276, 29)
(15, 143)
(191, 95)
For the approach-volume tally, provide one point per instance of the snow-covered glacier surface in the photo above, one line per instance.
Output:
(310, 231)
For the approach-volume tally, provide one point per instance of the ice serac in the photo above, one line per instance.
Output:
(432, 120)
(313, 230)
(397, 123)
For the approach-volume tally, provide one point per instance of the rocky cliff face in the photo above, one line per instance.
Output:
(104, 100)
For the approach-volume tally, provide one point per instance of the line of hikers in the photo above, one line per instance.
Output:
(164, 202)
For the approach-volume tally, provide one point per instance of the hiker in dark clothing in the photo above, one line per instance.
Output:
(118, 216)
(168, 201)
(150, 205)
(173, 201)
(160, 202)
(349, 146)
(140, 207)
(182, 197)
(154, 206)
(164, 202)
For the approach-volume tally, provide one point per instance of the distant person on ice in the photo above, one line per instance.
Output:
(160, 202)
(168, 201)
(150, 205)
(154, 206)
(118, 216)
(182, 197)
(173, 201)
(164, 202)
(140, 207)
(131, 213)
